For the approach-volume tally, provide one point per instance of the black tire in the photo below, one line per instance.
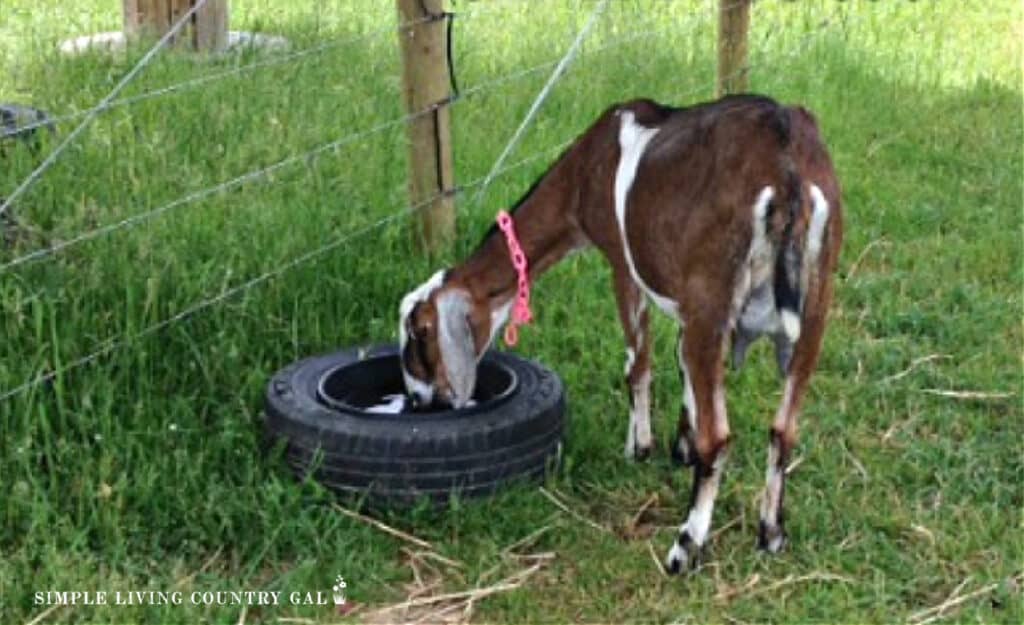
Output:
(22, 123)
(402, 458)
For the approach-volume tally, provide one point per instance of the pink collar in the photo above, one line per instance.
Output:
(521, 313)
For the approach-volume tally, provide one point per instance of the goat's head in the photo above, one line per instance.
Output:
(442, 335)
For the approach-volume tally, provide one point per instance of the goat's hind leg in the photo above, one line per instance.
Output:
(704, 368)
(783, 434)
(682, 446)
(798, 368)
(635, 325)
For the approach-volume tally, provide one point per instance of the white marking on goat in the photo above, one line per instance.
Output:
(721, 420)
(698, 522)
(774, 473)
(819, 218)
(755, 304)
(421, 293)
(689, 400)
(456, 344)
(815, 236)
(421, 390)
(633, 138)
(684, 444)
(639, 434)
(636, 340)
(638, 437)
(773, 486)
(758, 314)
(676, 554)
(417, 295)
(499, 316)
(760, 256)
(790, 325)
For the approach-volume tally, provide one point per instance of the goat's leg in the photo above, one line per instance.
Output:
(635, 325)
(783, 435)
(702, 351)
(682, 447)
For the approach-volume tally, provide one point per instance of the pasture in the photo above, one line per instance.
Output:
(143, 469)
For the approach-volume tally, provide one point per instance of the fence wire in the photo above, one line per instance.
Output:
(112, 345)
(186, 85)
(192, 83)
(118, 88)
(559, 70)
(195, 196)
(263, 172)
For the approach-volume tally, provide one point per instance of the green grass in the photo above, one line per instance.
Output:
(144, 470)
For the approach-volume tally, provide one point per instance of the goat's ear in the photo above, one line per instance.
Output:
(456, 342)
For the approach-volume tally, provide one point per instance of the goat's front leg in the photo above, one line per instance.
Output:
(635, 325)
(701, 360)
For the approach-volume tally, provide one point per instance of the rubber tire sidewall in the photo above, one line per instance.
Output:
(401, 458)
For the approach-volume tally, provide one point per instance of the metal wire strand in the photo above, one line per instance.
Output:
(209, 191)
(262, 172)
(135, 71)
(559, 70)
(113, 344)
(235, 71)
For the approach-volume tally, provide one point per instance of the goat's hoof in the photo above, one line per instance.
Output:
(637, 451)
(770, 538)
(682, 451)
(684, 556)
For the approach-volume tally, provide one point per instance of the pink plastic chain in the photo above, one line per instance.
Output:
(521, 313)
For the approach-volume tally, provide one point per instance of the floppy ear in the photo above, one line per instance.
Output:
(456, 342)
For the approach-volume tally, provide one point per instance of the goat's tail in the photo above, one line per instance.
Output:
(789, 256)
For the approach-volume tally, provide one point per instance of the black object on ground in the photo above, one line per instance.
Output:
(22, 123)
(321, 407)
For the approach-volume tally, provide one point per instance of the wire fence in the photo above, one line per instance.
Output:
(264, 172)
(559, 64)
(302, 259)
(120, 86)
(213, 77)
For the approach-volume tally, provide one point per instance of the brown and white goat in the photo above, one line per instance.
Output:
(725, 214)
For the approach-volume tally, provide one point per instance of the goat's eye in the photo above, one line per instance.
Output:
(422, 329)
(416, 326)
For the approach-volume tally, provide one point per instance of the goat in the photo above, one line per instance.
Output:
(725, 214)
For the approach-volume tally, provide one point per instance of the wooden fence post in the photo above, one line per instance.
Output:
(425, 82)
(733, 26)
(208, 30)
